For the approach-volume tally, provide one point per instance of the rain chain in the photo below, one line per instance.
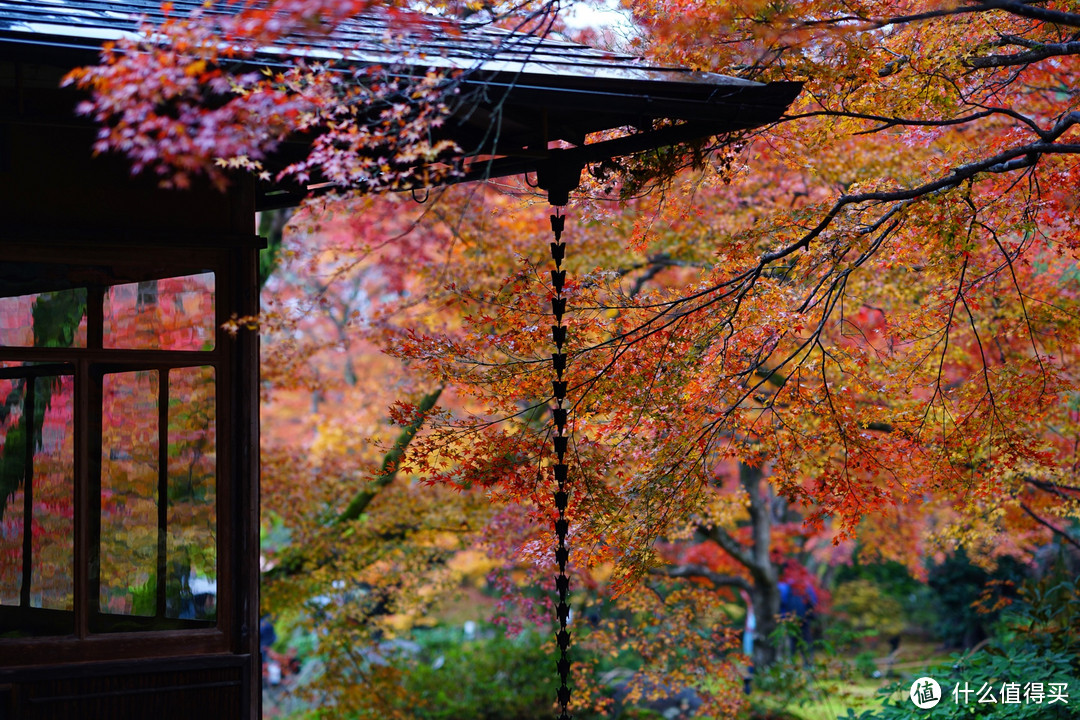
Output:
(558, 358)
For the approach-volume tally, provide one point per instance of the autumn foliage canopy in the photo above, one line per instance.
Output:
(874, 300)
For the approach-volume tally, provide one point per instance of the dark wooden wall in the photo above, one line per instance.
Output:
(208, 687)
(53, 191)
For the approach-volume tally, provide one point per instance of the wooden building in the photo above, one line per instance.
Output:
(129, 504)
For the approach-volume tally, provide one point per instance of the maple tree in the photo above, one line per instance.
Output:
(871, 303)
(367, 550)
(384, 548)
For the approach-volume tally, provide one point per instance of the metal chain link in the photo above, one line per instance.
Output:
(559, 412)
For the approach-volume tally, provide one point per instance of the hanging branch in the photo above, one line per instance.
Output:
(296, 560)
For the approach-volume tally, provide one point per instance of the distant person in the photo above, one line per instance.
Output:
(748, 639)
(271, 670)
(267, 635)
(798, 604)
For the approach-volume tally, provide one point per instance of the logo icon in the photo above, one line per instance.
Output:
(925, 693)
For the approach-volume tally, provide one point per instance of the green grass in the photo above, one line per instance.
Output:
(858, 695)
(837, 687)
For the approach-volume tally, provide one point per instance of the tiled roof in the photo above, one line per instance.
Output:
(527, 90)
(471, 45)
(427, 40)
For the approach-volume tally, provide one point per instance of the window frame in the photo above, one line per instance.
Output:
(228, 258)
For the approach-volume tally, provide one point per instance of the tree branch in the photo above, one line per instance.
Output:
(1042, 52)
(729, 544)
(692, 570)
(1007, 161)
(1051, 486)
(293, 559)
(1064, 535)
(388, 470)
(1025, 8)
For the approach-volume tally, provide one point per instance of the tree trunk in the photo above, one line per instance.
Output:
(765, 593)
(766, 608)
(764, 586)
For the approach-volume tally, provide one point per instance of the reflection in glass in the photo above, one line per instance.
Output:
(192, 519)
(49, 319)
(36, 492)
(169, 314)
(129, 482)
(53, 489)
(12, 474)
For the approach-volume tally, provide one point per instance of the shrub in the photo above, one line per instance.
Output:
(1040, 646)
(957, 585)
(490, 678)
(867, 610)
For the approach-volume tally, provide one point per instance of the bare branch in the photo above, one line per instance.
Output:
(388, 470)
(1056, 488)
(1017, 158)
(1064, 535)
(1042, 52)
(692, 570)
(730, 545)
(1022, 8)
(1026, 8)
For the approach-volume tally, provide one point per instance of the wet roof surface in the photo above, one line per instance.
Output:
(371, 38)
(519, 94)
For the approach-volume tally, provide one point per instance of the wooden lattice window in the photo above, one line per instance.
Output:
(111, 444)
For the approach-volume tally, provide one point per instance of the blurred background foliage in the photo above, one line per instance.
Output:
(964, 624)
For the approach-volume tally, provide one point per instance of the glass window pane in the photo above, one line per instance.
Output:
(129, 494)
(49, 319)
(53, 488)
(36, 489)
(169, 314)
(12, 474)
(192, 516)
